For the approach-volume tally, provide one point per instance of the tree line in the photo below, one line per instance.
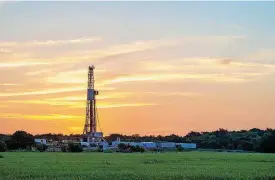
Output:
(256, 140)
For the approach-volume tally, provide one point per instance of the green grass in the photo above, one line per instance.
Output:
(166, 166)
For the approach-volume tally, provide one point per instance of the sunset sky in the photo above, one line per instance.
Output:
(160, 67)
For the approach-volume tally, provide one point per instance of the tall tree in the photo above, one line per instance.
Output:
(20, 140)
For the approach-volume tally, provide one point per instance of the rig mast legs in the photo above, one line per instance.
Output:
(90, 133)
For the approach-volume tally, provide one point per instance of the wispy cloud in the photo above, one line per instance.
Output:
(50, 102)
(138, 46)
(3, 50)
(34, 73)
(74, 104)
(265, 55)
(97, 55)
(112, 95)
(119, 105)
(76, 76)
(21, 64)
(8, 84)
(119, 49)
(79, 101)
(202, 69)
(216, 69)
(50, 91)
(172, 77)
(73, 77)
(173, 93)
(40, 117)
(51, 42)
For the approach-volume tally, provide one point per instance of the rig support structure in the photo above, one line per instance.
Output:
(90, 133)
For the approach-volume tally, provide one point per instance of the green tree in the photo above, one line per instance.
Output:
(20, 140)
(268, 143)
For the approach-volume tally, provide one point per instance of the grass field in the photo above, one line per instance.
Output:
(184, 165)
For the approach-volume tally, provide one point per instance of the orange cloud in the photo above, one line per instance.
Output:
(117, 105)
(73, 104)
(40, 117)
(49, 91)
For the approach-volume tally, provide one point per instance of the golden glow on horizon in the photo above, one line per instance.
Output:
(138, 91)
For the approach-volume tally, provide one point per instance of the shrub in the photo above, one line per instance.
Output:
(127, 148)
(268, 143)
(11, 145)
(122, 147)
(75, 147)
(64, 148)
(154, 150)
(137, 149)
(179, 148)
(3, 146)
(142, 150)
(108, 151)
(41, 147)
(100, 150)
(134, 148)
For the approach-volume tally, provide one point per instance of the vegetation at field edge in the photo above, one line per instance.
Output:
(255, 140)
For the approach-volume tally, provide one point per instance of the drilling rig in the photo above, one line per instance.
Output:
(90, 133)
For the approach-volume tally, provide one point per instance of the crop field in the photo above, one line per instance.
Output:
(170, 165)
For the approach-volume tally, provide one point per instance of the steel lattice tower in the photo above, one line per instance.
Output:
(90, 127)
